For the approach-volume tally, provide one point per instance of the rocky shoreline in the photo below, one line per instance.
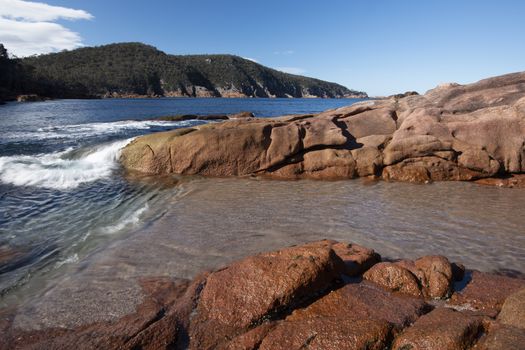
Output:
(453, 132)
(320, 295)
(202, 92)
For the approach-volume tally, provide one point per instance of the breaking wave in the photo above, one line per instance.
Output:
(80, 131)
(62, 170)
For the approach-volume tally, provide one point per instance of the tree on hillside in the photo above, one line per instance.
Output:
(3, 53)
(6, 73)
(14, 77)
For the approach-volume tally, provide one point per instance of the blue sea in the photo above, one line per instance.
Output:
(62, 192)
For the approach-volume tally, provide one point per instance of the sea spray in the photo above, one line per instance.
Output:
(58, 170)
(88, 130)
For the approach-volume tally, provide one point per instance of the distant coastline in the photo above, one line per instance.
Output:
(135, 70)
(38, 98)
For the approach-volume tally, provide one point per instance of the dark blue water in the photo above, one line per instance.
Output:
(29, 128)
(62, 192)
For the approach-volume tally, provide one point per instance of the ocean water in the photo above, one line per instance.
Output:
(75, 229)
(62, 192)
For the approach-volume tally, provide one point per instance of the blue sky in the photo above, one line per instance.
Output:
(381, 47)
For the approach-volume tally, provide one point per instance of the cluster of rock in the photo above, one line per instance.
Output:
(30, 98)
(259, 91)
(321, 295)
(215, 117)
(453, 132)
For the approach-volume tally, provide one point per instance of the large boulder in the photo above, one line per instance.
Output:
(356, 316)
(435, 275)
(258, 288)
(485, 293)
(502, 337)
(364, 301)
(240, 148)
(453, 132)
(441, 329)
(357, 258)
(394, 278)
(513, 310)
(328, 334)
(429, 276)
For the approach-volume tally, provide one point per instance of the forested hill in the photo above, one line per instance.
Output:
(134, 69)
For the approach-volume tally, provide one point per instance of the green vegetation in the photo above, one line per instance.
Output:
(14, 77)
(130, 69)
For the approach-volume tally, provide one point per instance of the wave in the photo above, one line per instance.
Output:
(72, 259)
(131, 219)
(59, 170)
(79, 131)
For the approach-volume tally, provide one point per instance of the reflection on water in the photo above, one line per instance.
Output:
(214, 221)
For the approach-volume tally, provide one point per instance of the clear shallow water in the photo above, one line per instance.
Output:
(210, 222)
(62, 193)
(82, 233)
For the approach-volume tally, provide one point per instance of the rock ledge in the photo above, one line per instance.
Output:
(453, 132)
(320, 295)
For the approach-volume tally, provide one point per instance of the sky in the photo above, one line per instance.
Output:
(381, 47)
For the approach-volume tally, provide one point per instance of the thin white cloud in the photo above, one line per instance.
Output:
(285, 52)
(292, 70)
(27, 28)
(38, 11)
(251, 59)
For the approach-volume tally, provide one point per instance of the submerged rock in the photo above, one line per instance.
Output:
(241, 115)
(453, 132)
(513, 181)
(183, 117)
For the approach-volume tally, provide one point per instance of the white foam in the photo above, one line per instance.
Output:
(131, 219)
(76, 131)
(69, 260)
(55, 171)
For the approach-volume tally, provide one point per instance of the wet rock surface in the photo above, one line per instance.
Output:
(513, 181)
(503, 337)
(328, 333)
(394, 278)
(513, 310)
(441, 329)
(357, 258)
(309, 296)
(486, 293)
(272, 283)
(429, 276)
(453, 132)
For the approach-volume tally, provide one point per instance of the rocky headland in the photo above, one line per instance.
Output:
(453, 132)
(320, 295)
(136, 70)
